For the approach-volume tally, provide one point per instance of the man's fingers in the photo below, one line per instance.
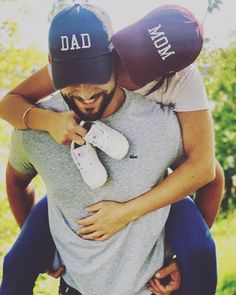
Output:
(56, 273)
(165, 271)
(154, 287)
(171, 287)
(153, 291)
(157, 285)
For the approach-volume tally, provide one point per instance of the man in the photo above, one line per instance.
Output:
(94, 95)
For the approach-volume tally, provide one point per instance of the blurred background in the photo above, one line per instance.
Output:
(23, 49)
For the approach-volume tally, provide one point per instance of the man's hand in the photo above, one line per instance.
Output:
(55, 273)
(156, 285)
(63, 128)
(110, 217)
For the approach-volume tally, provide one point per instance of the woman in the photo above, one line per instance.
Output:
(199, 166)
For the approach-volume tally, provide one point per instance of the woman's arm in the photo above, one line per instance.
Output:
(208, 198)
(25, 95)
(61, 126)
(196, 171)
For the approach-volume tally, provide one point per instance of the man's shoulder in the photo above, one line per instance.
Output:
(149, 114)
(145, 104)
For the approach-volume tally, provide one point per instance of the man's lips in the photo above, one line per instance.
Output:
(90, 101)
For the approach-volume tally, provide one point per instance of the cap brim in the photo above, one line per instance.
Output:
(92, 70)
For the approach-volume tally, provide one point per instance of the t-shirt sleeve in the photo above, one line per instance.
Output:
(189, 92)
(18, 158)
(185, 91)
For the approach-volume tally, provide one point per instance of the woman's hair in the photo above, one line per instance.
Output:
(160, 82)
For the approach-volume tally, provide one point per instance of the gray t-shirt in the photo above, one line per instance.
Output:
(123, 264)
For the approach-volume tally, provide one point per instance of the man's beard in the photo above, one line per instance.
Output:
(107, 97)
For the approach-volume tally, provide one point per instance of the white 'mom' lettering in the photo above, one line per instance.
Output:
(161, 41)
(74, 44)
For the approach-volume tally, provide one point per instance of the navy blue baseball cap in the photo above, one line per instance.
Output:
(166, 40)
(80, 47)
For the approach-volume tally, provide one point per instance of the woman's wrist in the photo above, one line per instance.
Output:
(135, 208)
(40, 119)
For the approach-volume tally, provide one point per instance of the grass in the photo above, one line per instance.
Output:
(224, 233)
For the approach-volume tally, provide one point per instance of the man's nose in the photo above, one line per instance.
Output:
(86, 91)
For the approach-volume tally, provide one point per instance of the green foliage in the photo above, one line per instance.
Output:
(224, 233)
(220, 83)
(15, 63)
(214, 4)
(220, 79)
(58, 5)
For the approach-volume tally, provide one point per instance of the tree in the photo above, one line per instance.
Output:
(212, 5)
(221, 89)
(16, 63)
(61, 4)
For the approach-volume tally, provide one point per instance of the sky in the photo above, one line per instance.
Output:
(34, 25)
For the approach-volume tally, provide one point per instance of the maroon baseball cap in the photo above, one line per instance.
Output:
(166, 40)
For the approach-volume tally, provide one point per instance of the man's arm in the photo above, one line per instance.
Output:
(20, 193)
(21, 198)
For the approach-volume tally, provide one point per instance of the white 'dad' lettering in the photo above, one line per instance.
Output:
(161, 42)
(75, 43)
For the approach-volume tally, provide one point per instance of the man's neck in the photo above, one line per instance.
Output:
(116, 102)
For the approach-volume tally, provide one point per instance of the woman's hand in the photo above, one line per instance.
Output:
(109, 218)
(64, 128)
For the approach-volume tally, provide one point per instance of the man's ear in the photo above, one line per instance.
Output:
(49, 58)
